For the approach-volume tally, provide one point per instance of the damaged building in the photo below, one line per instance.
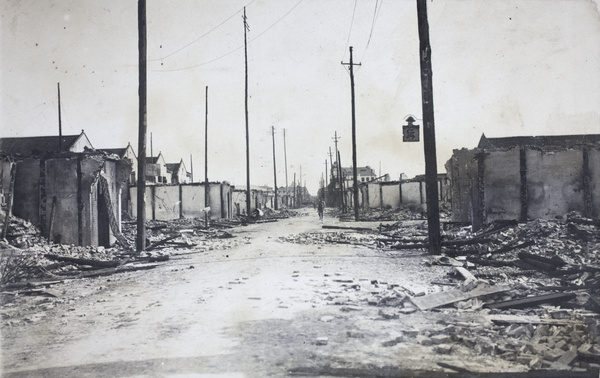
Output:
(521, 178)
(65, 187)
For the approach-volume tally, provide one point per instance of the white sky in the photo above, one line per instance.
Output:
(503, 68)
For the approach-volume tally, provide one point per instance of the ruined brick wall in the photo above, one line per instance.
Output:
(192, 197)
(501, 175)
(62, 182)
(214, 201)
(524, 183)
(390, 195)
(413, 194)
(462, 171)
(594, 181)
(166, 202)
(554, 183)
(26, 204)
(374, 195)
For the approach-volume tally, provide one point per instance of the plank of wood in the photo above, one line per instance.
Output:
(529, 319)
(468, 276)
(90, 262)
(347, 228)
(563, 362)
(533, 301)
(447, 297)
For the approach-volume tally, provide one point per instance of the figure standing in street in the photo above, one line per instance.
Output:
(320, 209)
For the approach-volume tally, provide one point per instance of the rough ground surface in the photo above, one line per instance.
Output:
(268, 306)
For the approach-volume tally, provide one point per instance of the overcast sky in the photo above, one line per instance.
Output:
(503, 68)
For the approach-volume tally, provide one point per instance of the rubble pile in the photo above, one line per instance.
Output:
(388, 214)
(338, 237)
(28, 257)
(549, 332)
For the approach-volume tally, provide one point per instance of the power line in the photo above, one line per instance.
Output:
(350, 31)
(375, 16)
(202, 36)
(237, 48)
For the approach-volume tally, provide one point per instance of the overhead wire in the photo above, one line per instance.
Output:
(237, 48)
(375, 16)
(202, 36)
(350, 30)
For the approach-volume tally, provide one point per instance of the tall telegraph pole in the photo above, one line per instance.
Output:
(206, 186)
(287, 196)
(141, 185)
(339, 171)
(431, 185)
(60, 138)
(274, 165)
(246, 28)
(354, 171)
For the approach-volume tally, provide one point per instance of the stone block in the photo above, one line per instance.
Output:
(441, 339)
(322, 340)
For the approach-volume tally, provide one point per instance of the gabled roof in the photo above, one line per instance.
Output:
(27, 146)
(155, 159)
(120, 152)
(173, 167)
(540, 141)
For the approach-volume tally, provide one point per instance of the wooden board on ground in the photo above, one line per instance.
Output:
(447, 297)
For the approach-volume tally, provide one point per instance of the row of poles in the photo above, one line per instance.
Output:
(431, 188)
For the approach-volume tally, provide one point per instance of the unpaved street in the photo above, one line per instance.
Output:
(267, 307)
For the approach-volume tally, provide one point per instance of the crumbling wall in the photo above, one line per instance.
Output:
(5, 167)
(147, 201)
(390, 195)
(226, 200)
(92, 221)
(502, 184)
(26, 203)
(413, 193)
(374, 195)
(62, 182)
(192, 197)
(594, 181)
(214, 199)
(554, 182)
(239, 201)
(524, 183)
(166, 201)
(462, 171)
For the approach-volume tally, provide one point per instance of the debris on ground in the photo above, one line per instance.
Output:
(527, 292)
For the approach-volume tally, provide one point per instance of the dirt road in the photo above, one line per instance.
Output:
(268, 307)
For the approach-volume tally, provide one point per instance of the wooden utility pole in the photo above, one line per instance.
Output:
(354, 170)
(342, 182)
(287, 196)
(274, 166)
(60, 138)
(191, 169)
(246, 28)
(294, 189)
(325, 189)
(141, 185)
(300, 192)
(206, 186)
(431, 184)
(151, 150)
(339, 171)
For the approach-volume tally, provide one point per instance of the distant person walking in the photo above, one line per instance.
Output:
(320, 209)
